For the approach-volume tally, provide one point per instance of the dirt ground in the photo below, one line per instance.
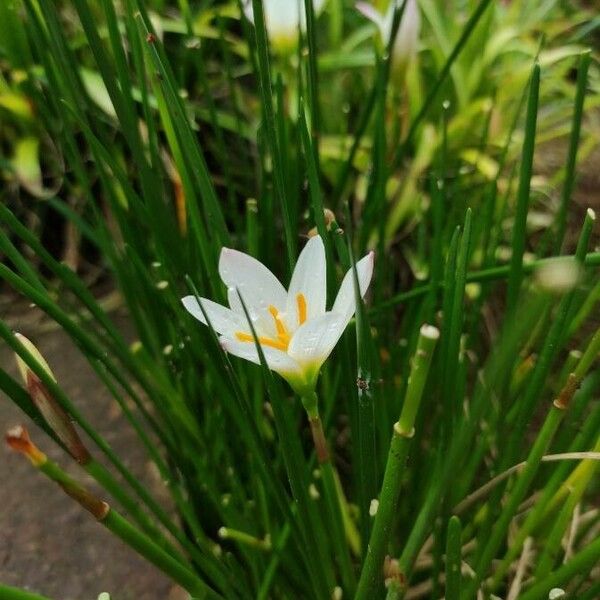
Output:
(48, 544)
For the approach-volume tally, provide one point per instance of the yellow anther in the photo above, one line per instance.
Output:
(283, 337)
(282, 333)
(262, 340)
(301, 302)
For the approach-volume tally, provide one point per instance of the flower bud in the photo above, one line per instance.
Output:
(55, 416)
(18, 440)
(24, 370)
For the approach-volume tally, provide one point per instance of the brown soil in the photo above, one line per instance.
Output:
(48, 544)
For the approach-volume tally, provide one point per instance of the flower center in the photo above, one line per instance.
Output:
(282, 341)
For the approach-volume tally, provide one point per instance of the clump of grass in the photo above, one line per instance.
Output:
(451, 440)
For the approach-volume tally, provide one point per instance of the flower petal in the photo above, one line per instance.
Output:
(345, 303)
(248, 10)
(318, 6)
(258, 287)
(369, 11)
(277, 360)
(283, 17)
(261, 319)
(310, 280)
(222, 319)
(407, 38)
(314, 341)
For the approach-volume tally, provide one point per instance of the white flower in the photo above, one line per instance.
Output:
(295, 332)
(407, 38)
(283, 19)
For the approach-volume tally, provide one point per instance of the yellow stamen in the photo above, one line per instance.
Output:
(301, 302)
(262, 340)
(283, 337)
(282, 333)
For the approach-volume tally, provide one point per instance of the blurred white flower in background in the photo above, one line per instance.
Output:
(407, 38)
(284, 20)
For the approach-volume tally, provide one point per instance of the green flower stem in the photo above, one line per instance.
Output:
(372, 573)
(517, 495)
(580, 563)
(11, 593)
(332, 497)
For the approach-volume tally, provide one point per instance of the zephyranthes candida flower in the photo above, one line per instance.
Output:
(407, 38)
(295, 331)
(284, 19)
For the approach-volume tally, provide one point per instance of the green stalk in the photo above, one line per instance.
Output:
(57, 393)
(569, 183)
(336, 22)
(319, 568)
(453, 558)
(12, 593)
(367, 467)
(455, 327)
(551, 345)
(591, 259)
(142, 544)
(496, 371)
(552, 544)
(371, 577)
(332, 497)
(313, 81)
(582, 562)
(315, 194)
(245, 539)
(252, 227)
(550, 498)
(517, 495)
(18, 439)
(520, 225)
(589, 356)
(266, 89)
(589, 304)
